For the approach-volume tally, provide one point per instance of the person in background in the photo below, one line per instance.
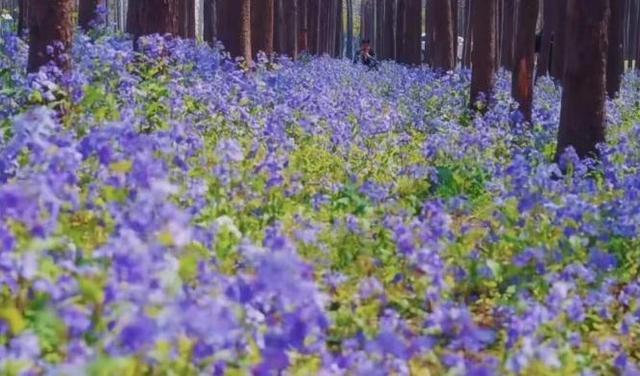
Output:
(366, 56)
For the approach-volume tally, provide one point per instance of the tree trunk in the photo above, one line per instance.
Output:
(559, 40)
(23, 16)
(262, 26)
(303, 26)
(413, 32)
(350, 51)
(240, 13)
(388, 30)
(313, 13)
(223, 22)
(187, 19)
(50, 24)
(443, 55)
(546, 44)
(582, 118)
(339, 29)
(522, 81)
(483, 50)
(468, 35)
(209, 27)
(454, 20)
(153, 16)
(508, 31)
(401, 31)
(380, 40)
(615, 56)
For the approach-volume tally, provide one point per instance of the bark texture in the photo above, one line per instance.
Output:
(483, 50)
(50, 33)
(582, 118)
(522, 83)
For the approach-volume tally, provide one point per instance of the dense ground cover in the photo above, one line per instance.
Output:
(184, 217)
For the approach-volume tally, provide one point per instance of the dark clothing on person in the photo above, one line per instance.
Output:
(366, 58)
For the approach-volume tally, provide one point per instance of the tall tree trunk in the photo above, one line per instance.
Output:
(313, 13)
(87, 12)
(388, 30)
(209, 27)
(524, 59)
(262, 26)
(23, 16)
(350, 51)
(240, 45)
(412, 50)
(615, 56)
(291, 25)
(430, 42)
(303, 26)
(508, 33)
(187, 19)
(401, 31)
(153, 16)
(559, 40)
(548, 29)
(380, 40)
(582, 118)
(454, 15)
(468, 35)
(483, 51)
(443, 55)
(50, 24)
(339, 29)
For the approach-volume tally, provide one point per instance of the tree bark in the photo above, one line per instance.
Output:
(615, 57)
(350, 51)
(187, 19)
(241, 29)
(50, 24)
(153, 16)
(23, 16)
(380, 40)
(443, 55)
(468, 35)
(483, 50)
(559, 40)
(413, 32)
(313, 18)
(544, 62)
(388, 29)
(522, 82)
(262, 26)
(209, 29)
(401, 31)
(508, 31)
(583, 116)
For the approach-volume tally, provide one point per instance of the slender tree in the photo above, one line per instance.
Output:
(187, 19)
(23, 16)
(468, 35)
(380, 8)
(524, 59)
(483, 49)
(303, 26)
(209, 18)
(350, 51)
(313, 18)
(240, 45)
(508, 33)
(615, 57)
(401, 30)
(50, 24)
(413, 31)
(291, 25)
(339, 30)
(582, 117)
(443, 54)
(262, 26)
(559, 39)
(548, 27)
(389, 30)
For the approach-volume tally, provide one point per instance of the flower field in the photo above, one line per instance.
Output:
(184, 217)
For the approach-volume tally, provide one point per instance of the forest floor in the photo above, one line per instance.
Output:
(186, 217)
